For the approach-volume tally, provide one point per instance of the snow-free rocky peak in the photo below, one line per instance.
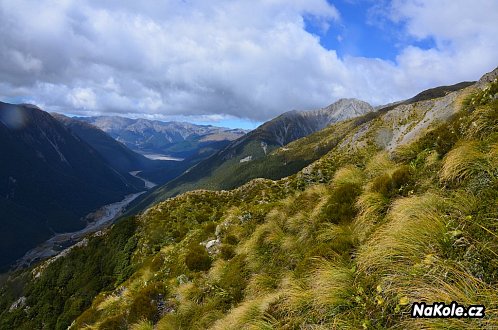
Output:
(346, 108)
(296, 124)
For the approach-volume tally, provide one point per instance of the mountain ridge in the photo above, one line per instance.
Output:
(231, 163)
(49, 179)
(176, 139)
(113, 151)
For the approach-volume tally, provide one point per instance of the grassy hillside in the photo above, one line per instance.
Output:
(401, 209)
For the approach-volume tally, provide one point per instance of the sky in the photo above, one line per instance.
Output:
(236, 63)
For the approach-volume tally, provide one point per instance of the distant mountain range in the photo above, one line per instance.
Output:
(242, 159)
(161, 151)
(175, 139)
(49, 179)
(114, 152)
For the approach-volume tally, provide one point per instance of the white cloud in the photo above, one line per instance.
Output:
(83, 98)
(247, 59)
(464, 32)
(456, 21)
(25, 63)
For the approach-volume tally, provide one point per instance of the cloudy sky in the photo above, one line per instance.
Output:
(236, 62)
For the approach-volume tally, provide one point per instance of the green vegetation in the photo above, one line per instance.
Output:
(349, 242)
(197, 258)
(59, 291)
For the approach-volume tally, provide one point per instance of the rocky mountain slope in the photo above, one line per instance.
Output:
(293, 125)
(175, 139)
(114, 152)
(400, 209)
(247, 157)
(49, 179)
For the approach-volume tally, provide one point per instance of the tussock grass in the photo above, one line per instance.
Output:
(289, 229)
(168, 322)
(261, 283)
(406, 152)
(349, 174)
(305, 201)
(111, 303)
(217, 270)
(446, 282)
(464, 161)
(340, 238)
(248, 315)
(264, 247)
(493, 156)
(484, 120)
(415, 226)
(317, 298)
(332, 287)
(305, 225)
(463, 203)
(379, 164)
(372, 207)
(188, 292)
(297, 298)
(142, 325)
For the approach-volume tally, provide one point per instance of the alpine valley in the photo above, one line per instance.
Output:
(337, 218)
(57, 172)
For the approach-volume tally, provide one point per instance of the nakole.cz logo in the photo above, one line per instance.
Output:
(441, 310)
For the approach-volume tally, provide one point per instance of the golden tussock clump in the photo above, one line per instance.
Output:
(415, 226)
(248, 315)
(331, 286)
(463, 161)
(371, 206)
(348, 175)
(379, 164)
(447, 281)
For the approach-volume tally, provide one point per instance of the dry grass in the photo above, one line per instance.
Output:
(379, 164)
(484, 121)
(248, 315)
(340, 238)
(142, 325)
(332, 287)
(406, 152)
(304, 225)
(348, 174)
(297, 298)
(464, 161)
(446, 282)
(260, 283)
(463, 203)
(371, 206)
(413, 230)
(493, 155)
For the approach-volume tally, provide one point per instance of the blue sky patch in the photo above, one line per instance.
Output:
(364, 30)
